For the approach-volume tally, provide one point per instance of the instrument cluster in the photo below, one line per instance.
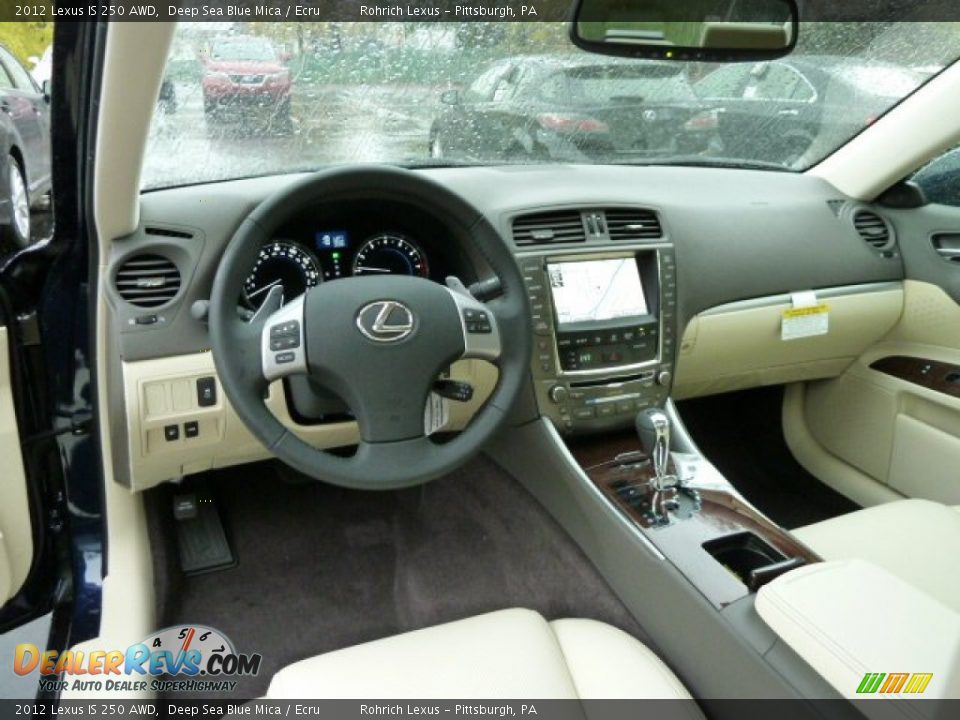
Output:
(310, 258)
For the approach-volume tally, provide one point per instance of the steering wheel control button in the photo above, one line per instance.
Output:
(285, 342)
(206, 391)
(287, 329)
(477, 321)
(282, 344)
(285, 335)
(171, 432)
(191, 429)
(385, 321)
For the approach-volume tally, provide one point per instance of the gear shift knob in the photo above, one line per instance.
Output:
(653, 427)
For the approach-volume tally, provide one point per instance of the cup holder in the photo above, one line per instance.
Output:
(742, 554)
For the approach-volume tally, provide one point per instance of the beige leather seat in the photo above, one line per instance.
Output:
(505, 654)
(917, 540)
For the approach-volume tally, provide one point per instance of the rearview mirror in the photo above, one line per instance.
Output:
(707, 30)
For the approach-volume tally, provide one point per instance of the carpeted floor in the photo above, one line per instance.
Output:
(322, 568)
(741, 433)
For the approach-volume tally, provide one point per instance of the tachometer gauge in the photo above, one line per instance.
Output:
(390, 254)
(281, 263)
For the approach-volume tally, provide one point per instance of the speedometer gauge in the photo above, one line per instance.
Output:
(281, 263)
(390, 254)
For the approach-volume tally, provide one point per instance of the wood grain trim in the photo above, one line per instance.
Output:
(934, 375)
(721, 514)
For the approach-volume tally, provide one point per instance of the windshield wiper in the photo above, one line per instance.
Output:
(444, 163)
(708, 161)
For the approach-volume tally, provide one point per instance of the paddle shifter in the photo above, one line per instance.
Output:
(653, 427)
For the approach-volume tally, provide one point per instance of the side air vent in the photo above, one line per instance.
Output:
(631, 224)
(872, 228)
(168, 232)
(148, 280)
(562, 226)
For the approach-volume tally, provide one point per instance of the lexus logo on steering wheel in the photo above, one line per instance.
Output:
(385, 321)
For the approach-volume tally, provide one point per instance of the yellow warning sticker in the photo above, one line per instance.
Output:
(801, 322)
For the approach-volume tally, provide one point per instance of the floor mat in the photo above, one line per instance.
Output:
(321, 568)
(741, 433)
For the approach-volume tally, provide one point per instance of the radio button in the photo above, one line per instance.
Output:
(584, 413)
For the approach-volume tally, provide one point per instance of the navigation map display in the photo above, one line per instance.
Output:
(596, 290)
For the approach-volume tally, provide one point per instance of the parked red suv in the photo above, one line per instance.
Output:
(243, 74)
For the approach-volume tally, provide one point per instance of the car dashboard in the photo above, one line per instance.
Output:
(644, 283)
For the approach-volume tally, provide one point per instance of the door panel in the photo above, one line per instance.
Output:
(16, 533)
(892, 417)
(925, 461)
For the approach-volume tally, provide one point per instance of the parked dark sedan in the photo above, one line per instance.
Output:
(777, 111)
(571, 109)
(24, 149)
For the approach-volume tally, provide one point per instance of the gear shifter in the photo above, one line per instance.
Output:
(653, 427)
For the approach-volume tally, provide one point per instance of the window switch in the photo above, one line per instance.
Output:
(171, 432)
(191, 429)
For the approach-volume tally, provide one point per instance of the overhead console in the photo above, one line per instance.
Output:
(603, 297)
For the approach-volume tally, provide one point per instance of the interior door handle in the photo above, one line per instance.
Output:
(947, 246)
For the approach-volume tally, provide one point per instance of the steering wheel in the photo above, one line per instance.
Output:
(378, 342)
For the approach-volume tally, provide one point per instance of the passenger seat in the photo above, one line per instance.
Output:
(917, 540)
(505, 654)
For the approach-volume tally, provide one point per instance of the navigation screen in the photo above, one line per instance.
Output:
(596, 290)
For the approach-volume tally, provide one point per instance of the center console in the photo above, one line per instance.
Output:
(605, 333)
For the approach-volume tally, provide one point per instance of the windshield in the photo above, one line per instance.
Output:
(246, 99)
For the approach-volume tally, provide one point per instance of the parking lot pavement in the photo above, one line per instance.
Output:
(330, 124)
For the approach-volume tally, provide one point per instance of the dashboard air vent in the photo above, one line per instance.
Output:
(872, 228)
(561, 226)
(148, 280)
(168, 232)
(632, 224)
